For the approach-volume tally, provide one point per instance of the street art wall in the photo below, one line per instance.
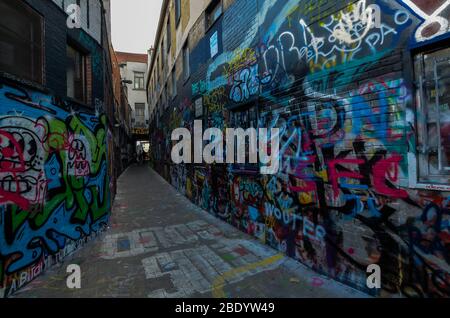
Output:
(54, 183)
(336, 78)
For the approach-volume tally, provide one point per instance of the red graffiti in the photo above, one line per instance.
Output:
(317, 282)
(388, 168)
(336, 175)
(58, 142)
(12, 162)
(12, 158)
(309, 186)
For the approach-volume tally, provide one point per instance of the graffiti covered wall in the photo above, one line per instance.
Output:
(332, 76)
(54, 183)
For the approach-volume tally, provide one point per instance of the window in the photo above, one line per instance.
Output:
(88, 13)
(156, 70)
(76, 74)
(139, 80)
(169, 34)
(186, 68)
(245, 117)
(199, 107)
(140, 114)
(164, 52)
(213, 12)
(177, 11)
(21, 36)
(166, 97)
(432, 72)
(160, 61)
(174, 83)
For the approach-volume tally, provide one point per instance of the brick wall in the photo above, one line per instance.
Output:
(90, 9)
(56, 38)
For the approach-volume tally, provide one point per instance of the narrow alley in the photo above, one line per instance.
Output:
(162, 246)
(222, 149)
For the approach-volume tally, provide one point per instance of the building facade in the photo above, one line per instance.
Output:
(123, 118)
(56, 133)
(360, 93)
(133, 68)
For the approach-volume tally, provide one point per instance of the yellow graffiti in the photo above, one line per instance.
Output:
(306, 197)
(219, 283)
(188, 188)
(241, 60)
(140, 131)
(270, 222)
(215, 102)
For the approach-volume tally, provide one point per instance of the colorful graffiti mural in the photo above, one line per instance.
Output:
(54, 182)
(335, 84)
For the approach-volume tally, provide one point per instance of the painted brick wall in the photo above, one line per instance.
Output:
(55, 190)
(239, 24)
(62, 170)
(343, 96)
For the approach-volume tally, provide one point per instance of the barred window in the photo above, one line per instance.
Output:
(432, 75)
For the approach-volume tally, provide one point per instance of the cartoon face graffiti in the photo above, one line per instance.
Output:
(78, 156)
(22, 158)
(44, 206)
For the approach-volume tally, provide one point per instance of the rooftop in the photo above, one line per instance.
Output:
(131, 57)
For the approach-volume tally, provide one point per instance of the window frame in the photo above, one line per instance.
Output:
(85, 74)
(157, 70)
(136, 116)
(160, 61)
(143, 81)
(166, 96)
(420, 155)
(199, 108)
(40, 78)
(88, 14)
(177, 12)
(164, 55)
(174, 83)
(186, 62)
(210, 10)
(250, 112)
(168, 33)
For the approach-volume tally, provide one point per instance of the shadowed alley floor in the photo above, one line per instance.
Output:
(161, 245)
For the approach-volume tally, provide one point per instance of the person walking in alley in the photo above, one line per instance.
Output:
(139, 154)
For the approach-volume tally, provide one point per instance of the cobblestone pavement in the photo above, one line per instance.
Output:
(161, 245)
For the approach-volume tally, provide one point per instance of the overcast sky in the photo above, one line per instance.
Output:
(134, 24)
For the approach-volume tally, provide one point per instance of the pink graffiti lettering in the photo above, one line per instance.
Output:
(388, 168)
(309, 186)
(317, 282)
(12, 161)
(336, 175)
